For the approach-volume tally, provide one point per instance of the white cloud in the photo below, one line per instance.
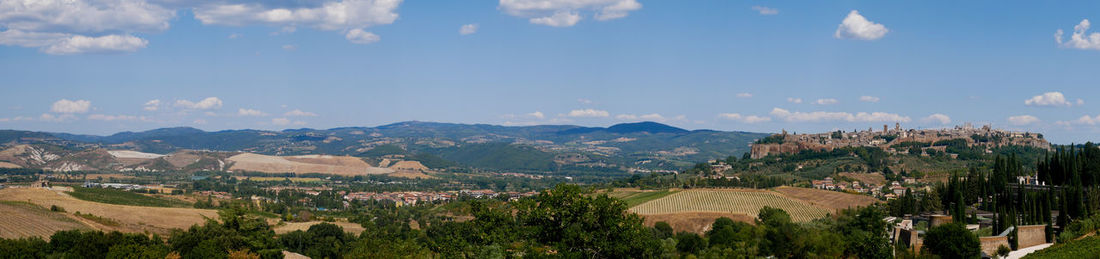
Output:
(584, 101)
(1084, 119)
(763, 10)
(199, 121)
(1051, 99)
(559, 19)
(52, 118)
(1020, 120)
(855, 26)
(1080, 39)
(280, 121)
(71, 27)
(826, 101)
(358, 36)
(794, 100)
(235, 36)
(289, 47)
(67, 106)
(78, 44)
(537, 115)
(867, 98)
(103, 117)
(744, 95)
(205, 104)
(152, 105)
(821, 116)
(565, 13)
(743, 118)
(297, 112)
(468, 29)
(322, 15)
(650, 117)
(588, 113)
(250, 112)
(938, 117)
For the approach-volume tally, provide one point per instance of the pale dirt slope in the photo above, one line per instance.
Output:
(25, 220)
(336, 165)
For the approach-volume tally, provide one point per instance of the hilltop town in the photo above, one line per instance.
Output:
(897, 140)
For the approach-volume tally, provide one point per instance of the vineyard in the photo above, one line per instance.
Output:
(747, 202)
(28, 220)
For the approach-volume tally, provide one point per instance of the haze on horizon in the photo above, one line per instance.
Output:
(105, 66)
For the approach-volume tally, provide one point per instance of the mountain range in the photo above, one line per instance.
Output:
(542, 148)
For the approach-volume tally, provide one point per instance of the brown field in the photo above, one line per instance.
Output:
(336, 165)
(410, 174)
(737, 201)
(349, 227)
(182, 158)
(130, 218)
(696, 222)
(409, 165)
(868, 178)
(831, 200)
(28, 220)
(9, 165)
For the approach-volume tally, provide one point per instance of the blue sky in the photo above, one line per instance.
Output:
(97, 66)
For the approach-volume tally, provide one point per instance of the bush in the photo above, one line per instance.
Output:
(56, 208)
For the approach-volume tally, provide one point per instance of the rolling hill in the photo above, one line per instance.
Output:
(543, 148)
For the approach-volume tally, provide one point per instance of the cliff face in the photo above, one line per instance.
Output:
(763, 150)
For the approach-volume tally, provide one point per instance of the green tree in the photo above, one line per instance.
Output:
(952, 240)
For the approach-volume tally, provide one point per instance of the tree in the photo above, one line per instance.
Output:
(662, 230)
(952, 240)
(579, 225)
(865, 232)
(688, 242)
(1003, 251)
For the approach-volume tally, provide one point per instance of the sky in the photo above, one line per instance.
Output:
(105, 66)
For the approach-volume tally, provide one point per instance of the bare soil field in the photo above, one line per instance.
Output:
(9, 165)
(410, 174)
(409, 165)
(738, 201)
(695, 222)
(876, 179)
(28, 220)
(130, 218)
(336, 165)
(349, 227)
(831, 200)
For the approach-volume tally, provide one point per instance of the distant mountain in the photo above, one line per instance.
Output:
(627, 128)
(546, 148)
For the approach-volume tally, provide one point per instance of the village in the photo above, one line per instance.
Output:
(888, 139)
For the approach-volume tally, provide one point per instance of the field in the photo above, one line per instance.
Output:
(737, 201)
(827, 199)
(349, 227)
(696, 222)
(335, 165)
(120, 197)
(633, 197)
(279, 179)
(866, 178)
(130, 218)
(21, 219)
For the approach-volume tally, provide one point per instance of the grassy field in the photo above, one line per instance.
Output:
(23, 219)
(120, 197)
(633, 197)
(1084, 248)
(132, 219)
(738, 201)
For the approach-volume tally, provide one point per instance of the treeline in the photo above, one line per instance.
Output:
(698, 177)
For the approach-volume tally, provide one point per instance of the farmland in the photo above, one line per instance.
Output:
(112, 196)
(633, 197)
(827, 199)
(129, 218)
(738, 201)
(349, 227)
(279, 179)
(22, 219)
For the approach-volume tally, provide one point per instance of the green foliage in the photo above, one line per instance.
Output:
(120, 197)
(773, 139)
(952, 240)
(1079, 249)
(642, 197)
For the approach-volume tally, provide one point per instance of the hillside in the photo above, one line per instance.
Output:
(543, 148)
